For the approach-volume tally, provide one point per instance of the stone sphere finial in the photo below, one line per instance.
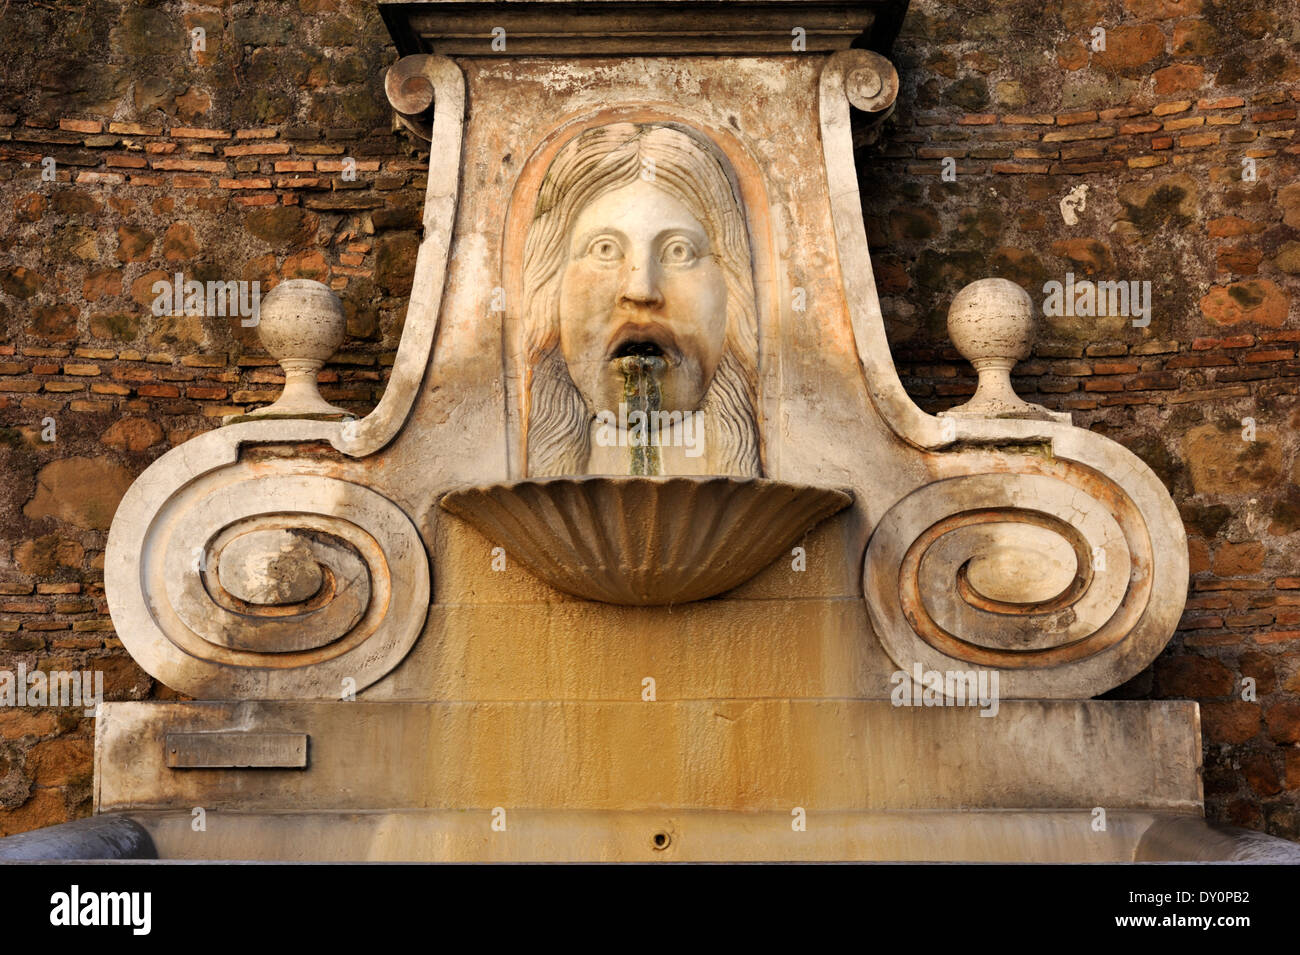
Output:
(301, 324)
(991, 322)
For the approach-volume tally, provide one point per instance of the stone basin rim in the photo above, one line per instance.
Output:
(699, 479)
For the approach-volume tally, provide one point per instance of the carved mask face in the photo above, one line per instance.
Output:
(641, 279)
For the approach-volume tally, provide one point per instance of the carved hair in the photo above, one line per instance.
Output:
(689, 168)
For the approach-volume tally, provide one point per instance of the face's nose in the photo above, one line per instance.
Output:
(640, 280)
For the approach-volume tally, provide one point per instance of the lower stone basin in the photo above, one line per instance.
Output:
(645, 540)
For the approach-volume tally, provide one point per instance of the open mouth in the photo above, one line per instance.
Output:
(643, 341)
(638, 349)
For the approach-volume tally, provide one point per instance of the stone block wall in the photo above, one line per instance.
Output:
(227, 163)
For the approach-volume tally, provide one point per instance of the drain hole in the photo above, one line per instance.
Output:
(660, 840)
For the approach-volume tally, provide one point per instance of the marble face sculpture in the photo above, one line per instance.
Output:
(640, 297)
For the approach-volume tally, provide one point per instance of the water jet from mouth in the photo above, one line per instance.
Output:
(642, 370)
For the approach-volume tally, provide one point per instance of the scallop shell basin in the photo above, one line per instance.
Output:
(645, 540)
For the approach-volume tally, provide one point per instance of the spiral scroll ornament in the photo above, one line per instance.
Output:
(1046, 575)
(285, 585)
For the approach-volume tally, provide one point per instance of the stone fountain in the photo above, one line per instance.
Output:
(646, 553)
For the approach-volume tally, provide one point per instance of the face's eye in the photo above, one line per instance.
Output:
(605, 249)
(678, 252)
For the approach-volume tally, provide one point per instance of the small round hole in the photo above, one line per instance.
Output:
(660, 840)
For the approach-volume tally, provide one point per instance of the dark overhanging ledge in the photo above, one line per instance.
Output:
(638, 27)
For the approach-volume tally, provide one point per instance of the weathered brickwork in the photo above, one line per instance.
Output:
(227, 163)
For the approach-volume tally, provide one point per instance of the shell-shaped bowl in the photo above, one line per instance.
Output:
(645, 540)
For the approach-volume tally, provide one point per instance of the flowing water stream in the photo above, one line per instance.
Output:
(641, 374)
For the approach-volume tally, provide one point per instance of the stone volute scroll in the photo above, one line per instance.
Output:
(411, 93)
(1042, 550)
(233, 573)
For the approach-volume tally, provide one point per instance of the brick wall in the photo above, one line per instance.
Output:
(227, 163)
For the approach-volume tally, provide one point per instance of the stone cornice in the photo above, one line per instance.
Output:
(640, 27)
